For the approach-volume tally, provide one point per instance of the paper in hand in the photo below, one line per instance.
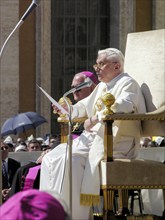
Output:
(63, 111)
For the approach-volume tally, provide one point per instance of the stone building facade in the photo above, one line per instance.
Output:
(58, 39)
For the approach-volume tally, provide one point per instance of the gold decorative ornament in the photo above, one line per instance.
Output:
(108, 100)
(62, 101)
(99, 104)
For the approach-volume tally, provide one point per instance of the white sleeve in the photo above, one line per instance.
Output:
(129, 99)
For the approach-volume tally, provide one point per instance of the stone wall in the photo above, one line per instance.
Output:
(9, 63)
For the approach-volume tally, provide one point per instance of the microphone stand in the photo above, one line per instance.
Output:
(70, 140)
(87, 83)
(1, 52)
(33, 5)
(6, 41)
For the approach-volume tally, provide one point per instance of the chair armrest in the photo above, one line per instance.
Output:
(65, 120)
(158, 114)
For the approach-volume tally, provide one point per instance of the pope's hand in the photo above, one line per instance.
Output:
(90, 122)
(56, 110)
(62, 102)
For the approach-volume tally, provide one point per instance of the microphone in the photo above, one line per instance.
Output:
(32, 6)
(87, 83)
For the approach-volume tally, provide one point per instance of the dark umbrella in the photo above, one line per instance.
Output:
(22, 122)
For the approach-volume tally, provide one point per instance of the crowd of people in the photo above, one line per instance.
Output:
(155, 141)
(30, 143)
(50, 172)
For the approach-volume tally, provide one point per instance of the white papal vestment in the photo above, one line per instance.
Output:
(88, 149)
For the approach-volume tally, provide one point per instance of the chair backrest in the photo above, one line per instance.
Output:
(145, 62)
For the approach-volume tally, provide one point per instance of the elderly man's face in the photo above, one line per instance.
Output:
(4, 151)
(106, 69)
(83, 93)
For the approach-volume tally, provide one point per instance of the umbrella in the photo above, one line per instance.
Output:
(22, 122)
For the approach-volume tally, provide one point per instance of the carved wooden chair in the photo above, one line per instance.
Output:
(144, 61)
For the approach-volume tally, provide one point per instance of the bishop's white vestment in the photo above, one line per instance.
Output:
(88, 149)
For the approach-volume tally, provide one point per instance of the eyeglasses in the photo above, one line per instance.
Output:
(100, 65)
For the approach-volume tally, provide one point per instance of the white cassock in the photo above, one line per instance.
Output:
(88, 149)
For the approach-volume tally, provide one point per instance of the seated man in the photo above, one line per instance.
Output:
(78, 95)
(80, 78)
(81, 94)
(88, 149)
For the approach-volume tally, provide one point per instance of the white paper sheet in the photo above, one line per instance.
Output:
(63, 111)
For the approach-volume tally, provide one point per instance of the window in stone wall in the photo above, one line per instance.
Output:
(78, 29)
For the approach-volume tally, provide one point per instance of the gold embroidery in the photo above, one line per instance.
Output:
(99, 104)
(75, 127)
(89, 200)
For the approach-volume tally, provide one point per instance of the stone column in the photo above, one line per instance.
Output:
(158, 14)
(43, 63)
(122, 22)
(126, 21)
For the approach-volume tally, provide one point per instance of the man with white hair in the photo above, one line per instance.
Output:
(88, 149)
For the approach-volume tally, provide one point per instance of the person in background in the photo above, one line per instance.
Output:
(20, 141)
(88, 148)
(80, 78)
(20, 176)
(160, 141)
(28, 176)
(40, 140)
(33, 145)
(9, 141)
(21, 148)
(54, 140)
(144, 141)
(9, 168)
(81, 94)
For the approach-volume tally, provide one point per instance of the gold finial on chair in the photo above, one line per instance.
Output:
(108, 99)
